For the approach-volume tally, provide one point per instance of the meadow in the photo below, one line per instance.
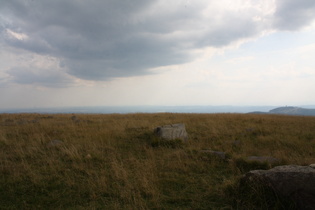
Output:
(114, 161)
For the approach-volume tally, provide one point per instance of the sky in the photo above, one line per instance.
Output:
(156, 52)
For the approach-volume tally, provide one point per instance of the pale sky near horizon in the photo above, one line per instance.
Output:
(156, 52)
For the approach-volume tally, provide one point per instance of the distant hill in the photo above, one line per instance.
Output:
(290, 110)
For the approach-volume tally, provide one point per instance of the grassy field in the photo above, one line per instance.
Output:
(115, 162)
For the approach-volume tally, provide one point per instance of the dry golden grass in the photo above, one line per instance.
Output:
(108, 162)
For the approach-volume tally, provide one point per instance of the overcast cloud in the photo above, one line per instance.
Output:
(293, 14)
(99, 40)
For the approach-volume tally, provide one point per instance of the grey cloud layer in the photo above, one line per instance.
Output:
(34, 76)
(99, 40)
(293, 15)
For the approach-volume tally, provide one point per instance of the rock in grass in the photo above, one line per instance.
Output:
(296, 183)
(218, 154)
(172, 132)
(236, 142)
(54, 143)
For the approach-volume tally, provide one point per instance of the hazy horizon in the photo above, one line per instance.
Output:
(145, 109)
(72, 53)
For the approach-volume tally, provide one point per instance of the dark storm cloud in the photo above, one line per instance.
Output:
(42, 77)
(95, 40)
(99, 40)
(294, 14)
